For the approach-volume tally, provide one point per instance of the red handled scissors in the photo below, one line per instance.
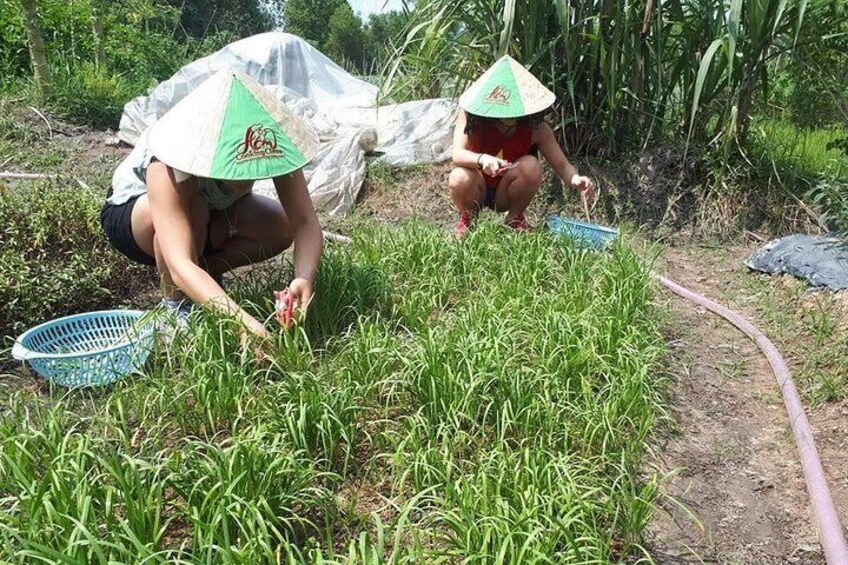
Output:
(505, 168)
(285, 304)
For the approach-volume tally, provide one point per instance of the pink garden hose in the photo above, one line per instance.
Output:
(832, 537)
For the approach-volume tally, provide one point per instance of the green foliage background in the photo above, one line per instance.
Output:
(145, 41)
(333, 27)
(811, 88)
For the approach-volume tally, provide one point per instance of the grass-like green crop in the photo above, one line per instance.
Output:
(483, 402)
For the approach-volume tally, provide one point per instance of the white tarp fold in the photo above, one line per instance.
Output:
(340, 108)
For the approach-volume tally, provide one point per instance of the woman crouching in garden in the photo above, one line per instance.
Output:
(498, 136)
(183, 200)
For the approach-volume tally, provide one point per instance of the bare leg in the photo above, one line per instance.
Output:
(145, 237)
(518, 187)
(253, 229)
(466, 189)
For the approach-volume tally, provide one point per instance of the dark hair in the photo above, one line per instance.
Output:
(532, 120)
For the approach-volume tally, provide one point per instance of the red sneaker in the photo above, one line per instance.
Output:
(463, 224)
(519, 223)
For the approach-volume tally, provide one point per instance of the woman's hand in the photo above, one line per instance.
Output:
(292, 303)
(491, 165)
(254, 328)
(585, 186)
(258, 343)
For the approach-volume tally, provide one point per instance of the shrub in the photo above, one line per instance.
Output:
(54, 259)
(90, 95)
(831, 197)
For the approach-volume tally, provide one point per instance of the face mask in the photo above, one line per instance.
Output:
(180, 176)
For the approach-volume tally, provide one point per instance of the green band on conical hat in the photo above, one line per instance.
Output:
(231, 128)
(506, 90)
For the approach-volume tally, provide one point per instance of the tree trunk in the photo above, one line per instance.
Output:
(97, 30)
(746, 102)
(38, 57)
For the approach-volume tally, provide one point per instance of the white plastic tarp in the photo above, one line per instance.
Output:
(341, 109)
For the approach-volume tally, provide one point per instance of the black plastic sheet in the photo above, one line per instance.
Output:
(820, 259)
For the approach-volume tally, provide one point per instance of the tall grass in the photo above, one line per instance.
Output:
(622, 71)
(805, 163)
(811, 152)
(484, 402)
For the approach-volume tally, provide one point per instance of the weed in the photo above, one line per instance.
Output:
(807, 326)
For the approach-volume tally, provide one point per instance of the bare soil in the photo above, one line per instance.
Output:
(737, 494)
(418, 193)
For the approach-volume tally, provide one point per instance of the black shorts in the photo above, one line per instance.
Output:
(116, 221)
(489, 198)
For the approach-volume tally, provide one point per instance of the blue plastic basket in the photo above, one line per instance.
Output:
(87, 349)
(583, 234)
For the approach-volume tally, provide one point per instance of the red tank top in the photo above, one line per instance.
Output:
(486, 138)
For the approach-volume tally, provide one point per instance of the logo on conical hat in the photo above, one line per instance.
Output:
(232, 128)
(506, 90)
(259, 142)
(499, 95)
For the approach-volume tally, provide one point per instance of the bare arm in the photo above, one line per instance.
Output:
(308, 241)
(170, 206)
(543, 136)
(464, 157)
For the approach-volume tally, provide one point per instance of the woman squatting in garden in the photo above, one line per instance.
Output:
(498, 135)
(183, 199)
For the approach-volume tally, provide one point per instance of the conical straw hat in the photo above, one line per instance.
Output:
(231, 128)
(506, 90)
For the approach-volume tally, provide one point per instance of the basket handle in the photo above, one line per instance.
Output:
(21, 353)
(586, 207)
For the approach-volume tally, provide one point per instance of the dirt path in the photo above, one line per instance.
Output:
(739, 478)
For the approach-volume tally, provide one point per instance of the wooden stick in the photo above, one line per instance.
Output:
(586, 206)
(755, 236)
(27, 176)
(42, 116)
(36, 176)
(330, 236)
